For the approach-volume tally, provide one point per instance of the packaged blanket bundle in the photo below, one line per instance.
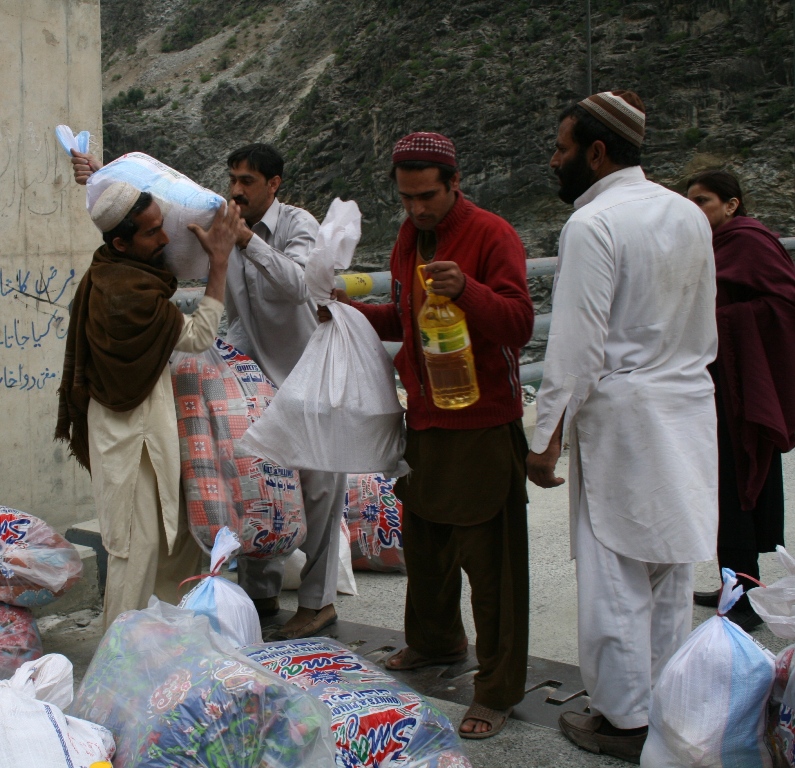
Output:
(181, 200)
(376, 720)
(20, 641)
(187, 699)
(230, 610)
(708, 708)
(37, 564)
(218, 394)
(338, 410)
(34, 731)
(374, 515)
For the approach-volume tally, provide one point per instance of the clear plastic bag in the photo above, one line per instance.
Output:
(218, 394)
(188, 699)
(338, 410)
(708, 708)
(230, 610)
(375, 520)
(20, 640)
(37, 564)
(375, 719)
(33, 728)
(775, 603)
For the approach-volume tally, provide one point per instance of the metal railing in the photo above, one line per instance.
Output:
(366, 283)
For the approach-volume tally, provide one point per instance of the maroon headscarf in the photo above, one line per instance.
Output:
(756, 347)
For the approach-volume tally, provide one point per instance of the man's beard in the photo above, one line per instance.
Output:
(575, 177)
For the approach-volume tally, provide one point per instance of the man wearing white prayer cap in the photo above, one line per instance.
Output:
(116, 408)
(633, 330)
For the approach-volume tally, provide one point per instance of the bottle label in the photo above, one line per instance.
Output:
(442, 341)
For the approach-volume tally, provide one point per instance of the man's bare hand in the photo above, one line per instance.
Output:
(83, 165)
(243, 234)
(541, 466)
(220, 238)
(324, 313)
(448, 279)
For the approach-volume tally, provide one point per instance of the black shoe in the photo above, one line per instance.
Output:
(707, 599)
(745, 618)
(267, 607)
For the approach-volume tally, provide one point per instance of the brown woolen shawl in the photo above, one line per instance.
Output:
(755, 366)
(122, 331)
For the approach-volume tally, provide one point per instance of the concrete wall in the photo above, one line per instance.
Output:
(50, 65)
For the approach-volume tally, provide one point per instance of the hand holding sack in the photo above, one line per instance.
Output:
(219, 394)
(338, 409)
(230, 610)
(189, 700)
(708, 707)
(182, 201)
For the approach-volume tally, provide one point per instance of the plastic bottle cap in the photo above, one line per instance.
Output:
(101, 764)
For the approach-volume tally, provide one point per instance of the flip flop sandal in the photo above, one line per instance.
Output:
(496, 718)
(407, 659)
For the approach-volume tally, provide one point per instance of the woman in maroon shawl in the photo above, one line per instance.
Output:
(754, 378)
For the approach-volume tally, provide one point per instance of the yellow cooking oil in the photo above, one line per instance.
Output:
(447, 350)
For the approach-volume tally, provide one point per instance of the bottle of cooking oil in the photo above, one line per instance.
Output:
(447, 350)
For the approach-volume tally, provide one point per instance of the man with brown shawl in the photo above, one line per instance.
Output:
(116, 406)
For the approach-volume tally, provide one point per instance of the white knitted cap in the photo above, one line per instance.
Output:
(115, 202)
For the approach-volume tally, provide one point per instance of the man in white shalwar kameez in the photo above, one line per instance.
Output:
(633, 330)
(116, 401)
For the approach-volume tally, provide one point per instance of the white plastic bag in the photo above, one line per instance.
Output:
(346, 581)
(230, 610)
(181, 200)
(775, 604)
(33, 728)
(708, 707)
(338, 409)
(70, 140)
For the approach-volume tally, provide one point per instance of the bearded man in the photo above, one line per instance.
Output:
(633, 330)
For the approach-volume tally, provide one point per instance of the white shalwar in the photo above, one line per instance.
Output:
(633, 330)
(271, 318)
(135, 477)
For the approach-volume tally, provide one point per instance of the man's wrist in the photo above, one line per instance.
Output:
(244, 240)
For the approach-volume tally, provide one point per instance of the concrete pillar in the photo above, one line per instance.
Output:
(50, 65)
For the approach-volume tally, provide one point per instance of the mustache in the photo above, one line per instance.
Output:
(240, 200)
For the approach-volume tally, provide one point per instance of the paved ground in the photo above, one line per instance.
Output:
(553, 625)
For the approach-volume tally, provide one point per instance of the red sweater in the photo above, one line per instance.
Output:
(498, 310)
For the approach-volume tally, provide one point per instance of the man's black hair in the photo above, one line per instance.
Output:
(261, 157)
(125, 230)
(446, 172)
(587, 129)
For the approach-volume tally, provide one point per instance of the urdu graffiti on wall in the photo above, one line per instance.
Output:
(39, 313)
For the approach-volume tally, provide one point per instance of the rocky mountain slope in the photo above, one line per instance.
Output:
(333, 83)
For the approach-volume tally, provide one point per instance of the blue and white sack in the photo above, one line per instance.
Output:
(230, 610)
(181, 200)
(708, 707)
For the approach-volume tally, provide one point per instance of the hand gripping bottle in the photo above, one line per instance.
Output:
(447, 350)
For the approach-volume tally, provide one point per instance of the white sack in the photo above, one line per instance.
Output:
(181, 200)
(338, 409)
(775, 603)
(33, 729)
(708, 707)
(230, 610)
(346, 581)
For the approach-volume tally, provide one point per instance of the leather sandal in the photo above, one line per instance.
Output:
(407, 659)
(496, 718)
(307, 622)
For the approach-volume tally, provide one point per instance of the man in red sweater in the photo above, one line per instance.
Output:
(464, 503)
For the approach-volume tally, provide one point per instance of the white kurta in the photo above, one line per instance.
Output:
(116, 440)
(633, 330)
